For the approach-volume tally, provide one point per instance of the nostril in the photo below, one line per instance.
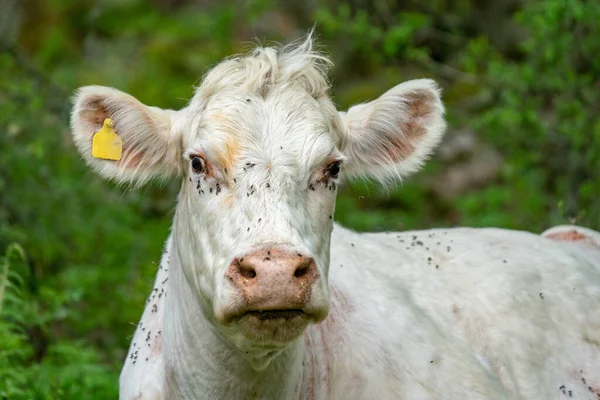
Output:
(248, 273)
(245, 270)
(301, 271)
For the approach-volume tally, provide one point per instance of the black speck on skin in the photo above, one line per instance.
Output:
(210, 190)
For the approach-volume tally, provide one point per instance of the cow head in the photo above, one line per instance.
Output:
(260, 151)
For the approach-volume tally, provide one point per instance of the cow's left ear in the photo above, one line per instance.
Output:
(392, 136)
(151, 142)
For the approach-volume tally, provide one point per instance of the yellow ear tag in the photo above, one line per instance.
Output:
(106, 144)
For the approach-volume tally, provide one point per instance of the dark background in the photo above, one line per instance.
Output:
(521, 82)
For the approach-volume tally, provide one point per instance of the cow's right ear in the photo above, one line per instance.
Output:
(152, 145)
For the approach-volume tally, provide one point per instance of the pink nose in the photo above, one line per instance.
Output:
(273, 279)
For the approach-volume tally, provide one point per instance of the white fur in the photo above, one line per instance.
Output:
(441, 316)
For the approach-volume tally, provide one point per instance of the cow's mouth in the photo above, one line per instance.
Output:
(272, 326)
(275, 326)
(268, 315)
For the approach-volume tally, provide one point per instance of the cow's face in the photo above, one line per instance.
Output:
(256, 208)
(261, 150)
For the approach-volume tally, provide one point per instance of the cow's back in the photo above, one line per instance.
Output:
(487, 305)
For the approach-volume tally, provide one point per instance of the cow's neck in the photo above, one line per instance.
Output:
(200, 362)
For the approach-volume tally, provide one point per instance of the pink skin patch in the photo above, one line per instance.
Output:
(572, 236)
(317, 342)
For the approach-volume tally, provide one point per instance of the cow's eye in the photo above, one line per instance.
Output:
(333, 169)
(198, 164)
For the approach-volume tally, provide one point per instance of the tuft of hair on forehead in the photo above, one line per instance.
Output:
(265, 68)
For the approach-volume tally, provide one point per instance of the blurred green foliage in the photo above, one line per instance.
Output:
(523, 75)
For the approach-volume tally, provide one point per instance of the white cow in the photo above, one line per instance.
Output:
(259, 295)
